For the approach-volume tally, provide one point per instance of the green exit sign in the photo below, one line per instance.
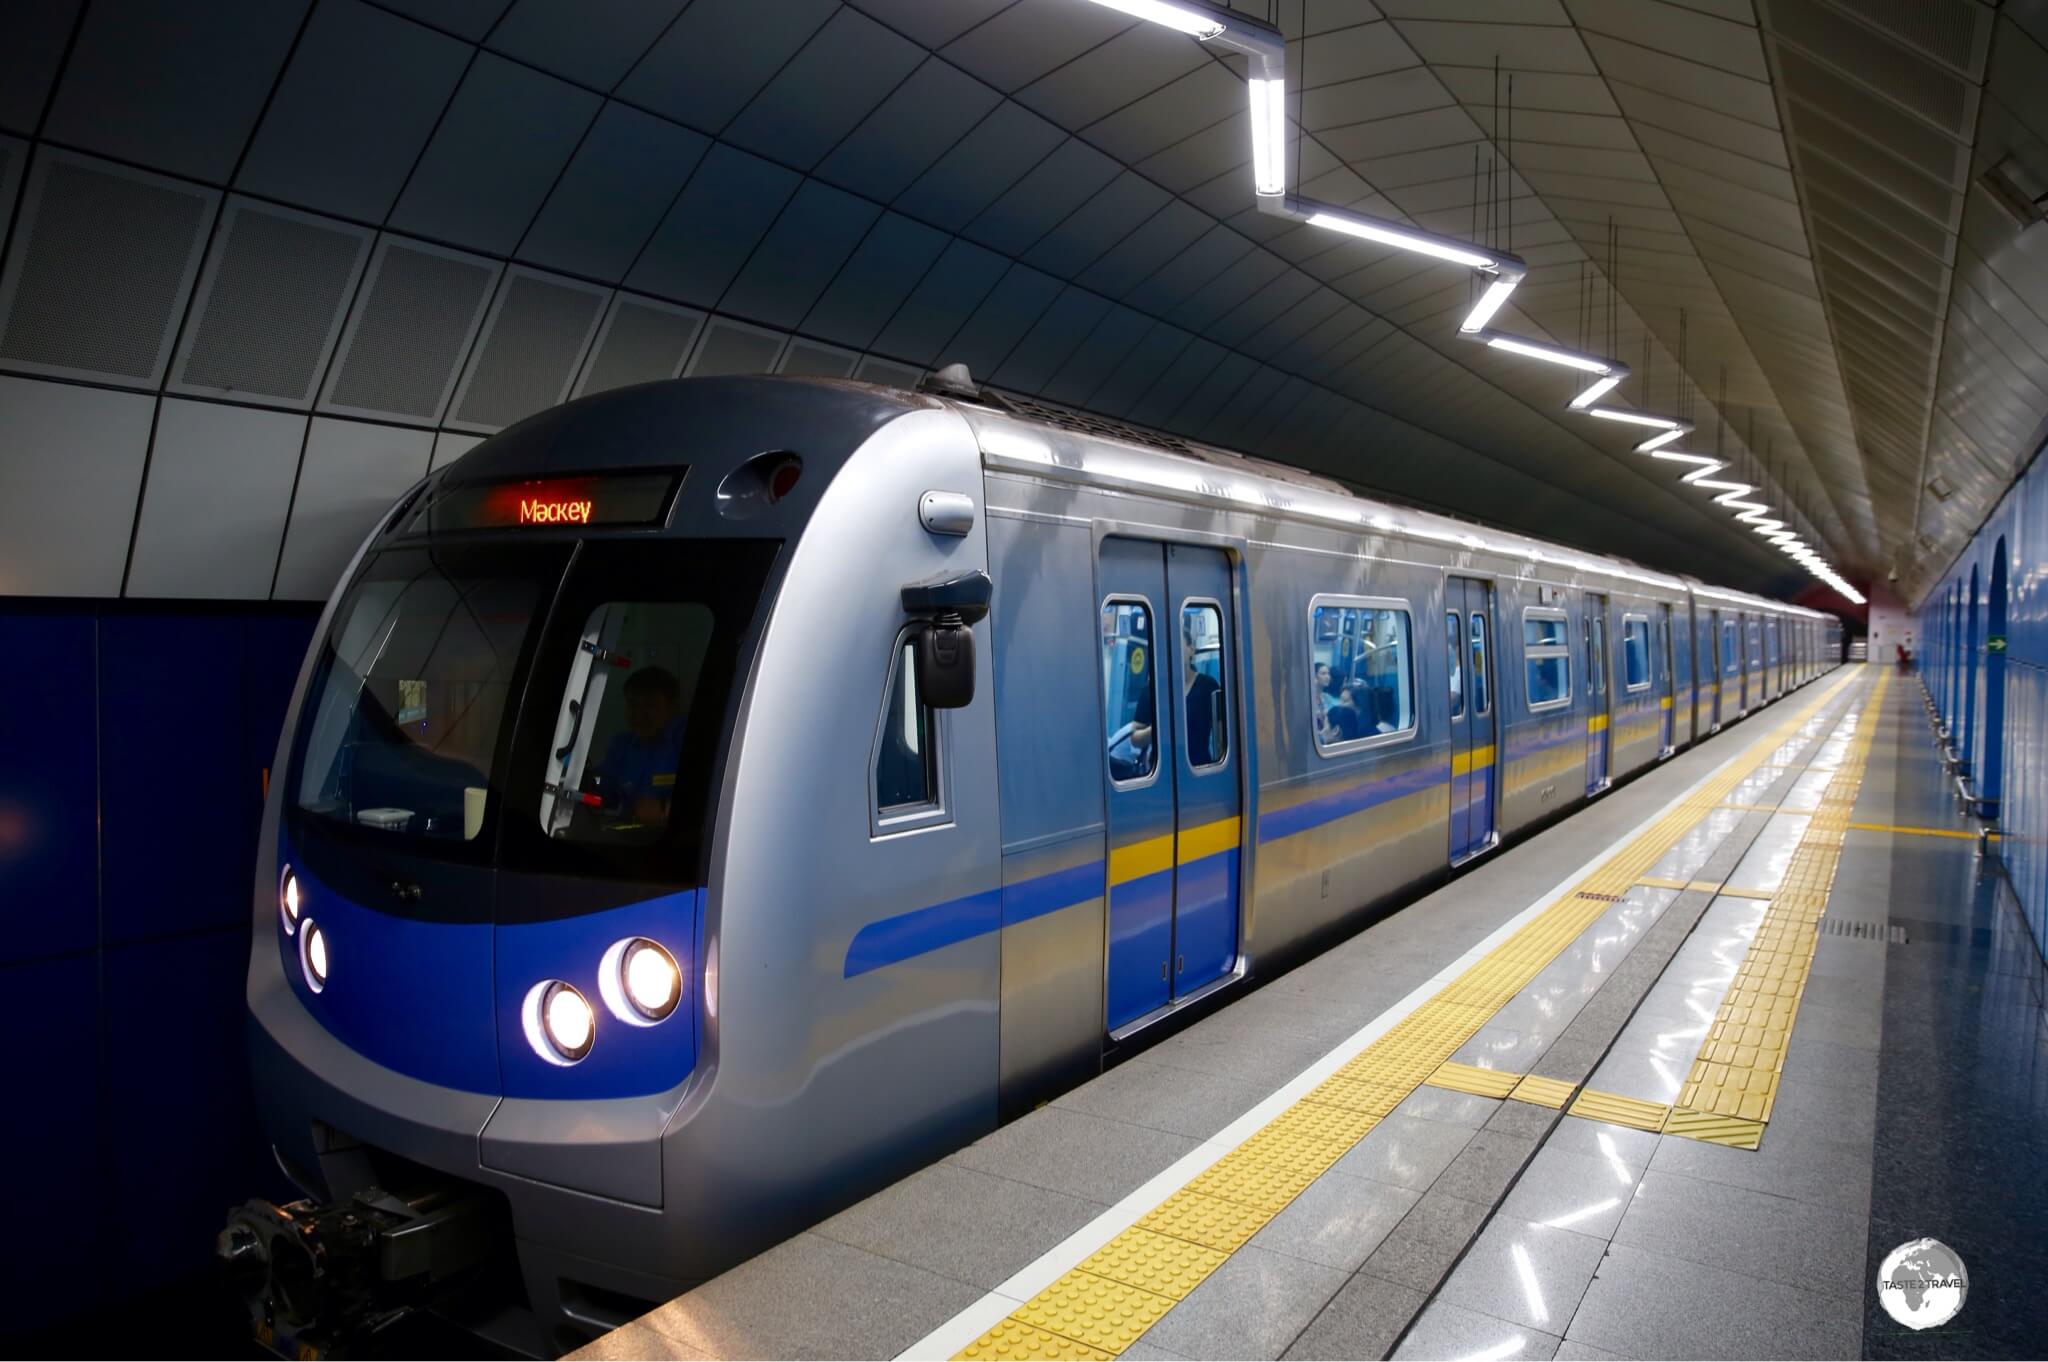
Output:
(1995, 643)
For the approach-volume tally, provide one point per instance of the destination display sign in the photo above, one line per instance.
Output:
(569, 503)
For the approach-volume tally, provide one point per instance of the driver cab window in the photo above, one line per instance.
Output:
(906, 765)
(1129, 701)
(623, 719)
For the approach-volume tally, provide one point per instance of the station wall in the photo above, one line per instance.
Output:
(136, 739)
(1984, 648)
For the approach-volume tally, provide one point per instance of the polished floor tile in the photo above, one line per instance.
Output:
(1524, 1273)
(1445, 1330)
(1584, 1193)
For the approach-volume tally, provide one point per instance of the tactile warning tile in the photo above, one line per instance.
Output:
(1154, 1262)
(1543, 1092)
(1615, 1109)
(1478, 1082)
(1093, 1310)
(1733, 1131)
(1733, 1082)
(1206, 1220)
(1089, 1313)
(1014, 1341)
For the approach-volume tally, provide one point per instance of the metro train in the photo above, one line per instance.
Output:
(708, 801)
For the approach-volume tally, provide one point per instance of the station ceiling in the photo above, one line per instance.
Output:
(547, 192)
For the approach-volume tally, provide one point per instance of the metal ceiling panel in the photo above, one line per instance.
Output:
(875, 280)
(355, 107)
(1030, 38)
(711, 229)
(920, 120)
(559, 36)
(499, 148)
(717, 55)
(613, 194)
(834, 81)
(799, 256)
(981, 167)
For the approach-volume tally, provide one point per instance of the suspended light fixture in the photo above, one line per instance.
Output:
(1197, 21)
(1549, 354)
(1401, 238)
(1600, 388)
(1269, 136)
(1656, 442)
(1489, 303)
(1635, 418)
(1702, 464)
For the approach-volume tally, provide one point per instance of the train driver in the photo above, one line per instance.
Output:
(638, 773)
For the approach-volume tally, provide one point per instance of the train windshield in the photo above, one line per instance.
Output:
(553, 707)
(406, 721)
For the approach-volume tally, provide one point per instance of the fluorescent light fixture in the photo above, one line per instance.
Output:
(1387, 234)
(1269, 136)
(1489, 303)
(1702, 464)
(1191, 19)
(1659, 441)
(1601, 387)
(1734, 505)
(1715, 485)
(1550, 354)
(1634, 418)
(1760, 519)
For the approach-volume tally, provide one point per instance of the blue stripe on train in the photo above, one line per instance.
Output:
(892, 940)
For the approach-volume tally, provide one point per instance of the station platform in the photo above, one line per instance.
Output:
(1669, 1079)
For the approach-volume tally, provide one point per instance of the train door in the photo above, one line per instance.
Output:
(1468, 641)
(1169, 695)
(1667, 683)
(1599, 740)
(1728, 699)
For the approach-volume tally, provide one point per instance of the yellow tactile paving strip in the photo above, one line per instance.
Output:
(1615, 1109)
(1101, 1307)
(1736, 1074)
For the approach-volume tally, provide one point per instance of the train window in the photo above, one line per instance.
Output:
(1547, 658)
(622, 720)
(1130, 704)
(1205, 717)
(416, 680)
(906, 753)
(1364, 683)
(1454, 643)
(1731, 664)
(1596, 655)
(1482, 702)
(1635, 652)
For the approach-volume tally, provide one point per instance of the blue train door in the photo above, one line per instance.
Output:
(1468, 643)
(1598, 738)
(1170, 730)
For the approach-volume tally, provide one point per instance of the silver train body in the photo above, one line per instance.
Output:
(869, 981)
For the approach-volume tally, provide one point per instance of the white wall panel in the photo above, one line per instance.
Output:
(70, 468)
(353, 473)
(214, 506)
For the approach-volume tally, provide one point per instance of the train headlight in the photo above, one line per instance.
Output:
(641, 982)
(313, 955)
(558, 1021)
(289, 905)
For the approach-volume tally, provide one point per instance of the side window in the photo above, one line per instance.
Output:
(1635, 653)
(624, 715)
(1130, 705)
(1454, 644)
(1596, 655)
(1482, 702)
(906, 753)
(1205, 721)
(1547, 656)
(1364, 682)
(1730, 663)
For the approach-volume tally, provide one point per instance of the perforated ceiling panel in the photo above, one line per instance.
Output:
(642, 341)
(530, 349)
(98, 281)
(413, 321)
(270, 304)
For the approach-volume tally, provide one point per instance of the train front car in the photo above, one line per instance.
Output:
(614, 739)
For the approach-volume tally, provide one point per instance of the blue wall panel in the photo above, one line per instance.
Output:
(49, 826)
(133, 747)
